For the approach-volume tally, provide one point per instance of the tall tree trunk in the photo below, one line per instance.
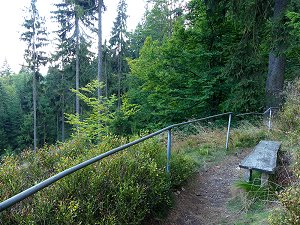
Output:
(277, 60)
(34, 96)
(106, 76)
(45, 135)
(57, 126)
(120, 71)
(119, 79)
(63, 117)
(77, 65)
(100, 47)
(62, 103)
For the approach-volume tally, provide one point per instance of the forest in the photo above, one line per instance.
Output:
(184, 60)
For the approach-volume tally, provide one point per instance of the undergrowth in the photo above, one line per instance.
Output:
(121, 189)
(288, 129)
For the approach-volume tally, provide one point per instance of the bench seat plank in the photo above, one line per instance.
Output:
(263, 158)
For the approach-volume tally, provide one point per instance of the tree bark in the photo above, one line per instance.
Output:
(119, 79)
(277, 60)
(77, 65)
(63, 118)
(120, 58)
(34, 94)
(106, 76)
(100, 6)
(34, 111)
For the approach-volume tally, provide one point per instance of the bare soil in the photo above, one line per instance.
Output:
(205, 198)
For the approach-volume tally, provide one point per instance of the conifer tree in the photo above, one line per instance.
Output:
(101, 7)
(35, 36)
(118, 42)
(70, 14)
(5, 69)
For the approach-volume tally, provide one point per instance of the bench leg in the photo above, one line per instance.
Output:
(264, 179)
(247, 175)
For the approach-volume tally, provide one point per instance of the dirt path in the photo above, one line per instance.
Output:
(204, 200)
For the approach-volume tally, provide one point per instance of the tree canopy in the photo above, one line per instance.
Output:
(184, 60)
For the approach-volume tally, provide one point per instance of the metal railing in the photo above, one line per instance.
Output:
(270, 112)
(32, 190)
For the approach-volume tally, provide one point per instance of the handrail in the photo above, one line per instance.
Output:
(269, 111)
(249, 113)
(256, 113)
(32, 190)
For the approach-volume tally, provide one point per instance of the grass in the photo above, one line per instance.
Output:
(252, 203)
(206, 147)
(256, 214)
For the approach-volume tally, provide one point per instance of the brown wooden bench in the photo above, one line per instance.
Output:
(263, 158)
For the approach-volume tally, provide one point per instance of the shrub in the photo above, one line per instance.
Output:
(289, 117)
(289, 123)
(121, 189)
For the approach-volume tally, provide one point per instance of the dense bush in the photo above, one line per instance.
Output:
(121, 189)
(289, 117)
(289, 124)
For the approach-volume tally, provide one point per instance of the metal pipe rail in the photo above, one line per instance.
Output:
(256, 113)
(249, 113)
(268, 111)
(32, 190)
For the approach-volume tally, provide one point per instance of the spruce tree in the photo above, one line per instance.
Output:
(72, 15)
(35, 36)
(118, 42)
(5, 69)
(101, 7)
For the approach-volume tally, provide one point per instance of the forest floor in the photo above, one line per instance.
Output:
(207, 196)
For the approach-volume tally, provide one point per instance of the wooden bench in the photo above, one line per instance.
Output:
(263, 158)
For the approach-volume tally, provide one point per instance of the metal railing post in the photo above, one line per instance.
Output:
(270, 117)
(228, 130)
(169, 150)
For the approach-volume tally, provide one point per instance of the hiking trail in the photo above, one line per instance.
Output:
(205, 198)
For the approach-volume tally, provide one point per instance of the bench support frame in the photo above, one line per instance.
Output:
(263, 180)
(247, 175)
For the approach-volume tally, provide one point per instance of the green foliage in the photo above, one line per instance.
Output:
(289, 198)
(289, 121)
(121, 189)
(214, 60)
(12, 113)
(288, 124)
(102, 118)
(292, 24)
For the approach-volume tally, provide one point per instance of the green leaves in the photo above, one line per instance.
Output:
(102, 115)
